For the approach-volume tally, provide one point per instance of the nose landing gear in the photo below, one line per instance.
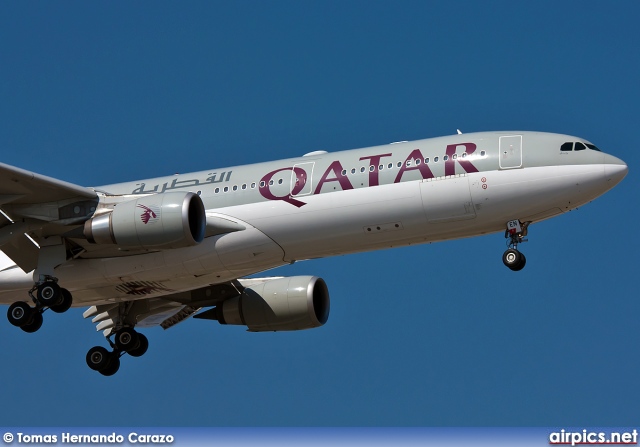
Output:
(515, 233)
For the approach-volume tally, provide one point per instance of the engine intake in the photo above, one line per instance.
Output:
(169, 220)
(283, 304)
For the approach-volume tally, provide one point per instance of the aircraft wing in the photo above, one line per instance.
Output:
(29, 203)
(18, 186)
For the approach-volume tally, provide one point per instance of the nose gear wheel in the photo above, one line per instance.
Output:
(515, 234)
(513, 259)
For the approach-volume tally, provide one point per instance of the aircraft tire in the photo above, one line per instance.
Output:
(65, 303)
(512, 258)
(98, 358)
(49, 294)
(521, 264)
(113, 367)
(19, 313)
(34, 324)
(142, 347)
(127, 339)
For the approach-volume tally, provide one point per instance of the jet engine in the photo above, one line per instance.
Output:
(282, 304)
(169, 220)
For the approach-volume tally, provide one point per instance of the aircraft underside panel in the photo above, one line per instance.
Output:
(335, 223)
(217, 259)
(532, 193)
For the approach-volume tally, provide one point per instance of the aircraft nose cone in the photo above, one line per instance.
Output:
(614, 169)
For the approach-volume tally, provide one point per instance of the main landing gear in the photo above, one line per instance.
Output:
(126, 340)
(48, 295)
(515, 233)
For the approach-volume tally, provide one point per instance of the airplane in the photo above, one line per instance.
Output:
(155, 252)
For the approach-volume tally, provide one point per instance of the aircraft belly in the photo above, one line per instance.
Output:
(217, 259)
(342, 222)
(421, 211)
(248, 250)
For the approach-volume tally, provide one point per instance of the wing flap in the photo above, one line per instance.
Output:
(16, 245)
(21, 250)
(165, 311)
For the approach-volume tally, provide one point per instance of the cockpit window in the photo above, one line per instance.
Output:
(577, 146)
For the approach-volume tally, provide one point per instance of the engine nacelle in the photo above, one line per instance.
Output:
(283, 304)
(169, 220)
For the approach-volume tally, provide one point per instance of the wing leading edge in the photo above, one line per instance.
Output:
(32, 205)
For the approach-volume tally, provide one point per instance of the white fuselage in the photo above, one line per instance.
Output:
(346, 202)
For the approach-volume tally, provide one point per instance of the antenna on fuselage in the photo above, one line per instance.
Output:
(459, 133)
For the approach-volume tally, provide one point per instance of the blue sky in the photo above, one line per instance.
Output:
(436, 335)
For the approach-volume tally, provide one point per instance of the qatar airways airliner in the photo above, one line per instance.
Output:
(158, 251)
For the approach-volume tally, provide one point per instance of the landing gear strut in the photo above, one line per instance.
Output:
(45, 293)
(515, 233)
(126, 341)
(48, 295)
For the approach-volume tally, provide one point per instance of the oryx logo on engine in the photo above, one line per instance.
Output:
(150, 214)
